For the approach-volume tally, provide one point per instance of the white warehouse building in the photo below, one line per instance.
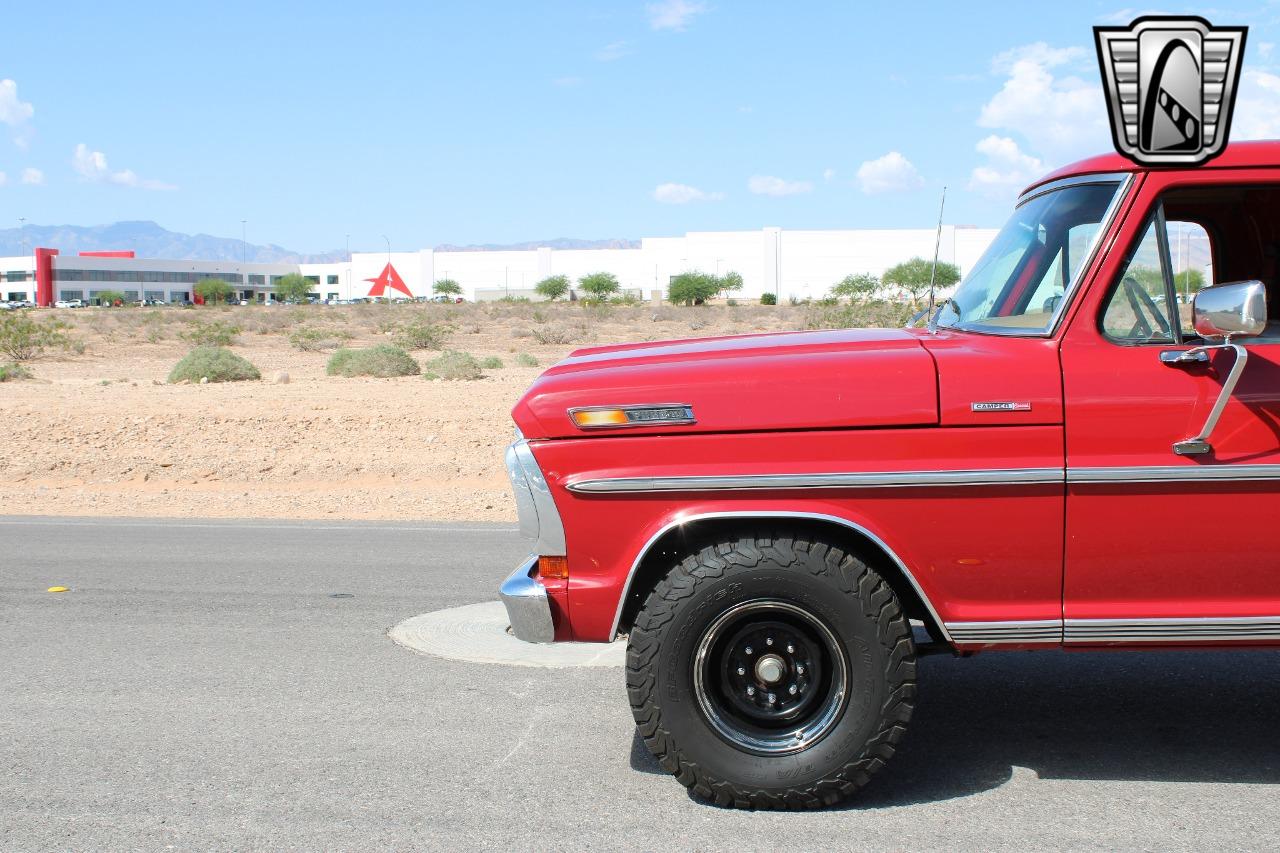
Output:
(788, 263)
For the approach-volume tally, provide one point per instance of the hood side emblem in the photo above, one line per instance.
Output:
(1001, 406)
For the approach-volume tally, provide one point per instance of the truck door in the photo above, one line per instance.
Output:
(1162, 547)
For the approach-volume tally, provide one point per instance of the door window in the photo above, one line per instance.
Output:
(1139, 310)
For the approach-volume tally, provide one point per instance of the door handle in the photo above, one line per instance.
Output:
(1181, 358)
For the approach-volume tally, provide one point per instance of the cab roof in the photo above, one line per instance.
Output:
(1237, 155)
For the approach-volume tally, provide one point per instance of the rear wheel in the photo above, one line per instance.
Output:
(771, 672)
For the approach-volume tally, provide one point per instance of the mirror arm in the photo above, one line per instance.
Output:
(1200, 444)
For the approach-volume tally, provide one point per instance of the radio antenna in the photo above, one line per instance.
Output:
(933, 273)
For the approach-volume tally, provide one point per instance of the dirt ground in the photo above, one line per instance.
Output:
(102, 433)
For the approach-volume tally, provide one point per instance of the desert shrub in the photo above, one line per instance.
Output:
(553, 335)
(453, 365)
(768, 299)
(552, 288)
(834, 315)
(12, 371)
(491, 362)
(521, 332)
(215, 364)
(525, 360)
(212, 334)
(22, 339)
(382, 361)
(421, 334)
(317, 340)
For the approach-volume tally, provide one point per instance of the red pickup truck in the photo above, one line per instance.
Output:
(780, 524)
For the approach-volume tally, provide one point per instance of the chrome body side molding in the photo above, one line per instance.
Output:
(853, 480)
(1173, 473)
(767, 514)
(996, 633)
(1215, 629)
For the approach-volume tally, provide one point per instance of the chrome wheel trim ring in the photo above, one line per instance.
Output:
(787, 741)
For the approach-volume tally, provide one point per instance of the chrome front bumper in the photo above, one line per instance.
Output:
(528, 607)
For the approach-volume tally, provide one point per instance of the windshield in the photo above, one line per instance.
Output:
(1019, 284)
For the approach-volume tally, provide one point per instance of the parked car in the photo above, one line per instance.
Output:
(21, 303)
(69, 303)
(764, 517)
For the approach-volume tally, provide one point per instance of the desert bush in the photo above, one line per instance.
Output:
(525, 360)
(215, 364)
(834, 315)
(491, 362)
(453, 365)
(553, 287)
(381, 361)
(22, 338)
(212, 334)
(553, 335)
(421, 334)
(521, 332)
(768, 299)
(12, 371)
(317, 340)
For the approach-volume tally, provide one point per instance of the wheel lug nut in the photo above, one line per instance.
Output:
(791, 650)
(768, 641)
(751, 691)
(792, 690)
(742, 671)
(747, 650)
(772, 698)
(799, 669)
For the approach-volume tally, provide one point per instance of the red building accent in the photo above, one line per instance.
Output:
(44, 277)
(388, 278)
(114, 253)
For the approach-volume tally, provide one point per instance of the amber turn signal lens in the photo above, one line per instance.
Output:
(555, 568)
(600, 417)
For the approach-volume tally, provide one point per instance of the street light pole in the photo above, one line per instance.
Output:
(244, 248)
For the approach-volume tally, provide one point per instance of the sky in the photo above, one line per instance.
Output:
(461, 123)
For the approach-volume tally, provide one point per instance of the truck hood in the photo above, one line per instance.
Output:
(790, 380)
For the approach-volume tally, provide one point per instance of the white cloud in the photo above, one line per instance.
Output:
(92, 166)
(1061, 118)
(1257, 112)
(32, 176)
(769, 185)
(673, 14)
(890, 173)
(1007, 169)
(613, 50)
(15, 112)
(4, 179)
(682, 194)
(828, 174)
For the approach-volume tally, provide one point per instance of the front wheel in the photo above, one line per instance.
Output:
(771, 672)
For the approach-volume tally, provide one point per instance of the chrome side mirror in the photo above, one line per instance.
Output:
(1234, 310)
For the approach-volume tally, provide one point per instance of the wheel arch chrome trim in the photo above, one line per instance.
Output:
(771, 514)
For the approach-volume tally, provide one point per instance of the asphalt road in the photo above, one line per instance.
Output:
(200, 688)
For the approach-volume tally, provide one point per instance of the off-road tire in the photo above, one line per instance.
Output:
(863, 614)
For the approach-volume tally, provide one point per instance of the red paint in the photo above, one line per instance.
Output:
(44, 276)
(122, 253)
(388, 278)
(892, 400)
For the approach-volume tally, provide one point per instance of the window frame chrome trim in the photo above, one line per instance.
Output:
(766, 514)
(849, 480)
(1126, 181)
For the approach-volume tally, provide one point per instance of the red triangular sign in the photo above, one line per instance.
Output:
(388, 278)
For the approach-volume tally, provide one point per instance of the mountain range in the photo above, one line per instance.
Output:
(150, 240)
